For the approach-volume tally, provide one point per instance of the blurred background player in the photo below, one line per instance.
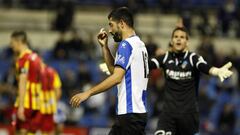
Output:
(129, 72)
(50, 94)
(180, 114)
(28, 67)
(60, 117)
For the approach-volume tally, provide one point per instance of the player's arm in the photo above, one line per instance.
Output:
(108, 58)
(222, 72)
(122, 64)
(103, 41)
(57, 85)
(22, 85)
(155, 63)
(22, 88)
(112, 80)
(58, 93)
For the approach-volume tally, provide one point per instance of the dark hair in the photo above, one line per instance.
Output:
(122, 13)
(20, 35)
(181, 29)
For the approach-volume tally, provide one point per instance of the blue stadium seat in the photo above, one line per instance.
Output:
(61, 65)
(4, 66)
(94, 121)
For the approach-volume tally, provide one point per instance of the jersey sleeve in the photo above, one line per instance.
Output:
(157, 62)
(124, 55)
(198, 62)
(35, 62)
(57, 81)
(23, 66)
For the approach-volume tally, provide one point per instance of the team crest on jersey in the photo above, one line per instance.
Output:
(184, 64)
(123, 45)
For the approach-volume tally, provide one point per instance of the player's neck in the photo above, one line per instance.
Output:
(128, 33)
(182, 51)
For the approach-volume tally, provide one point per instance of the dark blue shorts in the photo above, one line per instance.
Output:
(129, 124)
(178, 124)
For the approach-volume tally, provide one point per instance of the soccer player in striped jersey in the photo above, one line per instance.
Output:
(182, 69)
(51, 92)
(28, 68)
(129, 71)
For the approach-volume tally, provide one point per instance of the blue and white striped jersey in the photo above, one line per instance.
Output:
(132, 56)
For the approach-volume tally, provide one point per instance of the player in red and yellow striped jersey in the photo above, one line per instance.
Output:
(51, 92)
(28, 68)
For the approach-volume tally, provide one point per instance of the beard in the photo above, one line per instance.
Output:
(117, 36)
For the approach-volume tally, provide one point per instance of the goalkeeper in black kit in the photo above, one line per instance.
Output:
(180, 114)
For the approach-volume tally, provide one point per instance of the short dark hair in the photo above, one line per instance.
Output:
(181, 29)
(122, 13)
(20, 35)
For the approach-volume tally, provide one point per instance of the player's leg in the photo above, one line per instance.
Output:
(47, 127)
(166, 124)
(58, 128)
(59, 118)
(188, 124)
(22, 127)
(35, 122)
(116, 129)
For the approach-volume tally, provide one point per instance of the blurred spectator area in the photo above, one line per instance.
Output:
(38, 25)
(39, 4)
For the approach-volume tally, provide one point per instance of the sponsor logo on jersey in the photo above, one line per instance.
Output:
(178, 75)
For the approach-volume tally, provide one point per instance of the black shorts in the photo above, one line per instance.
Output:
(178, 124)
(129, 124)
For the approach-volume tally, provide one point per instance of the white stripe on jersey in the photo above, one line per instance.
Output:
(121, 107)
(165, 57)
(201, 60)
(156, 62)
(191, 58)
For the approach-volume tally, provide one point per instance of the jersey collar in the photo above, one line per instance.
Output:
(186, 54)
(24, 52)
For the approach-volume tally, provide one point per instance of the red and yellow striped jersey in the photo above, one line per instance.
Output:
(30, 63)
(50, 81)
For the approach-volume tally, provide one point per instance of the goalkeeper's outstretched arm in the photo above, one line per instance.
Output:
(222, 72)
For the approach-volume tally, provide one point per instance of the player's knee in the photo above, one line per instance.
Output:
(162, 132)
